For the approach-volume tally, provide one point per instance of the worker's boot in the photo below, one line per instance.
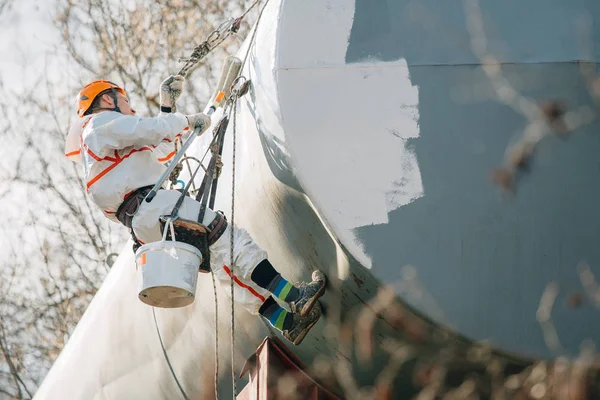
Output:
(309, 294)
(302, 325)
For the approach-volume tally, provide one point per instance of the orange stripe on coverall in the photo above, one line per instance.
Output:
(243, 285)
(168, 157)
(171, 154)
(73, 153)
(117, 160)
(110, 167)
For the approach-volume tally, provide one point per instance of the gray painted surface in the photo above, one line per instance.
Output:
(485, 259)
(435, 32)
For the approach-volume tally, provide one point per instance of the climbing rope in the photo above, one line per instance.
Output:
(235, 94)
(233, 377)
(236, 91)
(162, 345)
(213, 41)
(255, 30)
(216, 336)
(250, 8)
(252, 39)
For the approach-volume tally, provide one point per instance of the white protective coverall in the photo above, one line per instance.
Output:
(121, 153)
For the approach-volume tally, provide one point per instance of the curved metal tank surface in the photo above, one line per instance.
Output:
(364, 149)
(394, 129)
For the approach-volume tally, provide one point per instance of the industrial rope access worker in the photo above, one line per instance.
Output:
(123, 155)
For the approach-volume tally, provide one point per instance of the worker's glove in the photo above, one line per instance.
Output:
(170, 90)
(200, 120)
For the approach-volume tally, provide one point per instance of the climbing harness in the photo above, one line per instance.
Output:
(130, 205)
(128, 209)
(194, 232)
(208, 187)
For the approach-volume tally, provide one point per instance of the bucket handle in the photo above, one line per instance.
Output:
(169, 225)
(169, 222)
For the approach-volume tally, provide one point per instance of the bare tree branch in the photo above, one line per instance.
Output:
(59, 239)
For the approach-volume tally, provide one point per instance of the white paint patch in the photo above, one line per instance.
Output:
(347, 125)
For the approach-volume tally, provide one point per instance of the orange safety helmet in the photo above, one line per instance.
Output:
(86, 96)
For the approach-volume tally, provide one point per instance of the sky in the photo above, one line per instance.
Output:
(28, 36)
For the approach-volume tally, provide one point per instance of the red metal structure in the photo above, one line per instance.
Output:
(275, 373)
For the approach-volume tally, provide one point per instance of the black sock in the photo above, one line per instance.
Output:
(279, 317)
(263, 274)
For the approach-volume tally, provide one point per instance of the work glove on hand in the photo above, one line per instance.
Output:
(198, 120)
(170, 90)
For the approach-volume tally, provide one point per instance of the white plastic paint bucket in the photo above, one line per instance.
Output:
(168, 272)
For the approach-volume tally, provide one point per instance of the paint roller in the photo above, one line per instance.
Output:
(229, 72)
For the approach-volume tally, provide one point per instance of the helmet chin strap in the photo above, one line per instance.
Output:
(116, 108)
(114, 96)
